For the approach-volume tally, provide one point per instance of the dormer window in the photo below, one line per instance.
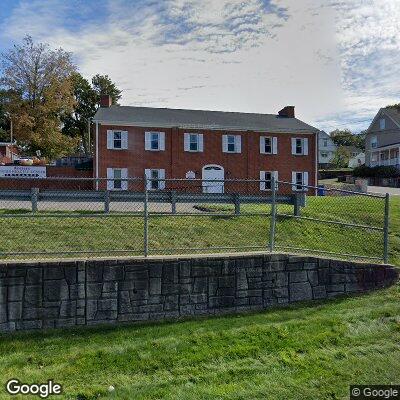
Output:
(382, 124)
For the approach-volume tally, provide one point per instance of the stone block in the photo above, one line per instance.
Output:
(91, 309)
(94, 273)
(56, 290)
(28, 325)
(200, 285)
(71, 272)
(281, 279)
(155, 270)
(68, 308)
(3, 313)
(107, 304)
(53, 272)
(15, 293)
(155, 286)
(93, 290)
(319, 292)
(34, 275)
(32, 313)
(3, 294)
(241, 280)
(110, 286)
(33, 295)
(226, 281)
(297, 276)
(113, 273)
(184, 269)
(15, 310)
(300, 291)
(313, 277)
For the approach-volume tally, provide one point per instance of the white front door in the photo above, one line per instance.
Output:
(213, 179)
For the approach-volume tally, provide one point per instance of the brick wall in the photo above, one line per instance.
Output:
(176, 162)
(49, 295)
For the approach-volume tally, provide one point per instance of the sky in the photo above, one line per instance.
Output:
(336, 61)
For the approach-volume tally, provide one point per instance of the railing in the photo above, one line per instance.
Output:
(42, 221)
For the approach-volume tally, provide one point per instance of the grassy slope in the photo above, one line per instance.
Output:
(299, 352)
(302, 352)
(113, 233)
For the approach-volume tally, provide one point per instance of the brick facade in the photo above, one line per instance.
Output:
(177, 162)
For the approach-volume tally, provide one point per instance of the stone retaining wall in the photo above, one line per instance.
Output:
(38, 295)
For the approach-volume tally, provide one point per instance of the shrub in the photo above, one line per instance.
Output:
(376, 172)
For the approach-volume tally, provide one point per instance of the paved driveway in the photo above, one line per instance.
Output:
(384, 190)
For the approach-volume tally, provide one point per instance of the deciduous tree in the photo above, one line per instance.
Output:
(38, 84)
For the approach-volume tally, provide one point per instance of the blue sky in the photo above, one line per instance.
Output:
(337, 61)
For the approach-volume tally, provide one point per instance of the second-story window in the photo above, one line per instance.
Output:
(231, 144)
(193, 142)
(268, 145)
(374, 142)
(155, 141)
(117, 140)
(325, 142)
(382, 124)
(300, 146)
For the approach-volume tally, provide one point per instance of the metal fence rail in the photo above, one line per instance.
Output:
(68, 217)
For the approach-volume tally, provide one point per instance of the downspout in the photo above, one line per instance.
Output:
(97, 155)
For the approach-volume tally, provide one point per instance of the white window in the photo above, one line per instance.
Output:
(268, 145)
(382, 124)
(117, 140)
(266, 179)
(298, 180)
(231, 143)
(374, 157)
(374, 142)
(300, 146)
(325, 143)
(117, 179)
(154, 141)
(324, 154)
(193, 142)
(155, 179)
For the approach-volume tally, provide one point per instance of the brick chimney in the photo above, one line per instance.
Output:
(105, 101)
(287, 112)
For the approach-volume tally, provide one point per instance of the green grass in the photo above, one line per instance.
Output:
(302, 352)
(86, 234)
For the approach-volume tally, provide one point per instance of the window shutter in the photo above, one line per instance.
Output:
(147, 140)
(262, 145)
(161, 138)
(238, 144)
(124, 141)
(275, 175)
(274, 145)
(124, 175)
(225, 143)
(262, 180)
(186, 141)
(294, 179)
(110, 175)
(147, 174)
(293, 145)
(201, 142)
(161, 175)
(305, 146)
(110, 140)
(305, 180)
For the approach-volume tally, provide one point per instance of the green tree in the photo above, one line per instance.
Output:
(341, 157)
(38, 88)
(345, 137)
(76, 124)
(87, 98)
(102, 85)
(4, 119)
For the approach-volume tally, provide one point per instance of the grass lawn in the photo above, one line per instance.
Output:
(302, 352)
(113, 233)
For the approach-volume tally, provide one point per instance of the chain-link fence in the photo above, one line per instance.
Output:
(67, 217)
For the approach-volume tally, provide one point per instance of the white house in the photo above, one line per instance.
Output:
(326, 149)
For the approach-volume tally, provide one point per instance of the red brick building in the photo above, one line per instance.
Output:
(170, 143)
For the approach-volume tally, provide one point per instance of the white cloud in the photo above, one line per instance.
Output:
(337, 61)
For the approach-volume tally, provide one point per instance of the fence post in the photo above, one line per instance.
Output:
(34, 199)
(386, 231)
(173, 201)
(146, 219)
(273, 216)
(107, 201)
(236, 202)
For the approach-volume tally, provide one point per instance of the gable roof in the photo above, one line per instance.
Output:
(199, 119)
(392, 112)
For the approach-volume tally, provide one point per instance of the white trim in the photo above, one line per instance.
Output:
(379, 113)
(216, 166)
(186, 140)
(147, 141)
(208, 128)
